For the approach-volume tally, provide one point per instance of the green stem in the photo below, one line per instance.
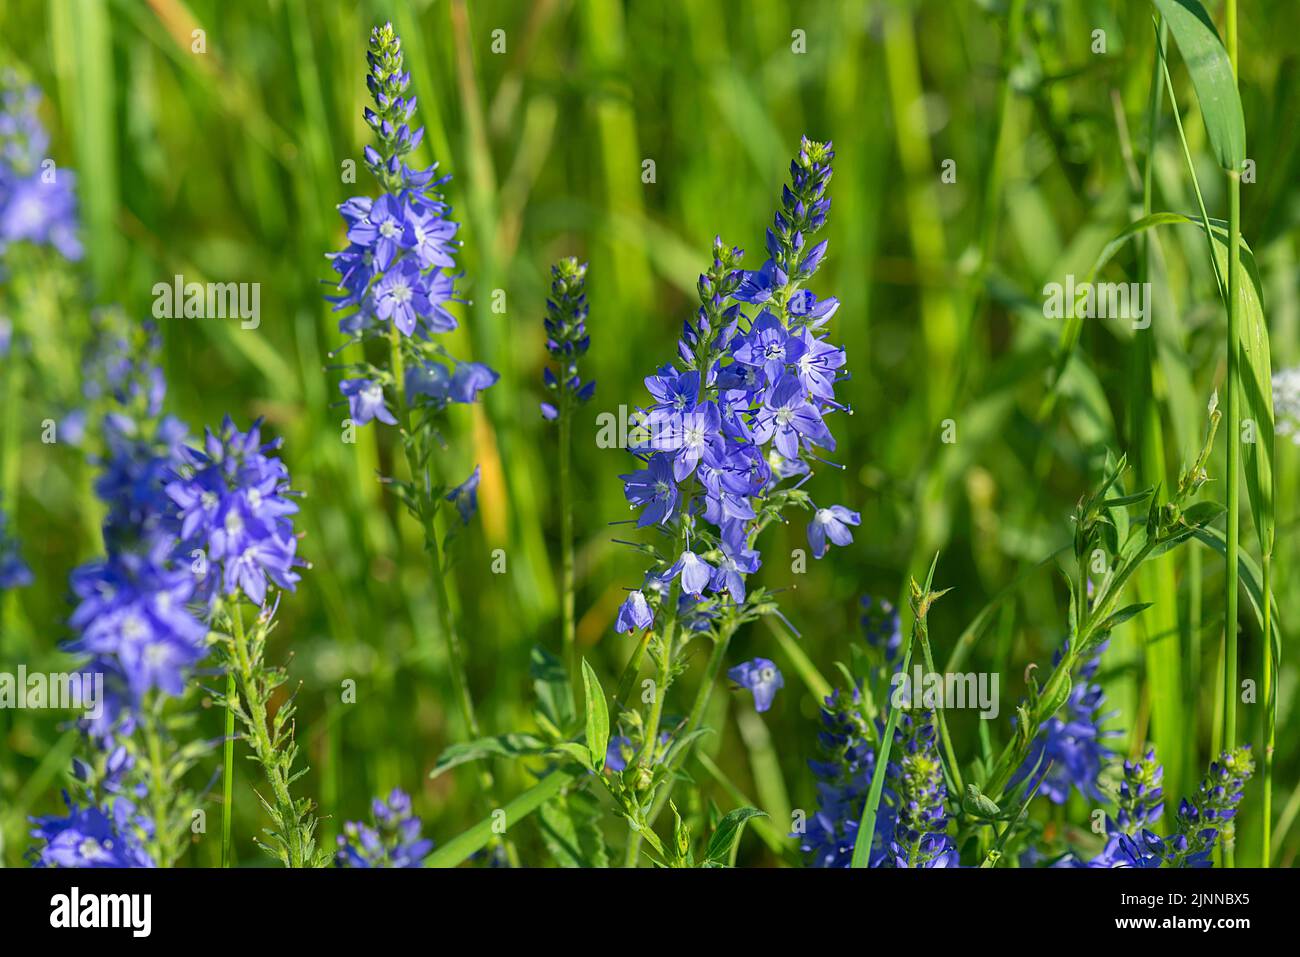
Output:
(427, 503)
(1270, 714)
(1234, 437)
(568, 636)
(158, 790)
(228, 767)
(263, 748)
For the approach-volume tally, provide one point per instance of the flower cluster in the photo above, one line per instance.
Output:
(847, 761)
(132, 616)
(93, 837)
(881, 627)
(747, 409)
(566, 337)
(233, 502)
(37, 202)
(14, 572)
(393, 841)
(919, 794)
(395, 277)
(1202, 820)
(1130, 842)
(1070, 750)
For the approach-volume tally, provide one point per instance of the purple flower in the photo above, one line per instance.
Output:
(366, 401)
(769, 346)
(91, 837)
(233, 501)
(695, 572)
(469, 379)
(655, 487)
(831, 523)
(788, 418)
(634, 614)
(14, 572)
(394, 841)
(761, 677)
(430, 238)
(400, 296)
(465, 496)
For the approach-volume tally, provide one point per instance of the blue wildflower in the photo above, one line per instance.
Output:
(37, 200)
(844, 768)
(919, 796)
(1070, 750)
(393, 841)
(566, 337)
(366, 401)
(233, 502)
(763, 679)
(1209, 816)
(465, 496)
(881, 627)
(14, 572)
(396, 271)
(745, 407)
(833, 524)
(634, 614)
(92, 837)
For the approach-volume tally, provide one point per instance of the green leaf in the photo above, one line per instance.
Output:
(501, 746)
(579, 752)
(570, 830)
(1211, 71)
(1123, 615)
(465, 845)
(1254, 352)
(597, 716)
(727, 834)
(551, 685)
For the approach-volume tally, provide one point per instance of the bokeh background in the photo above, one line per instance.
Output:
(226, 165)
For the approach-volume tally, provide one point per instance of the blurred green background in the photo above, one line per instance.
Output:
(226, 165)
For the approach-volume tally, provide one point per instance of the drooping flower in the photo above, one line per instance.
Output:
(634, 614)
(393, 841)
(366, 401)
(833, 524)
(465, 496)
(763, 679)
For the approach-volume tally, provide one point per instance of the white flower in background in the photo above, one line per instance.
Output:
(1286, 403)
